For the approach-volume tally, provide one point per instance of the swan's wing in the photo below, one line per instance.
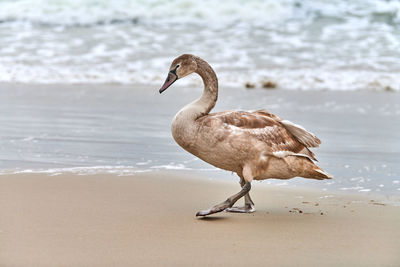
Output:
(282, 138)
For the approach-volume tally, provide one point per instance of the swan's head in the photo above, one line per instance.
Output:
(180, 67)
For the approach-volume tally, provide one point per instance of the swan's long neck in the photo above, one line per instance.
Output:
(184, 126)
(206, 102)
(210, 93)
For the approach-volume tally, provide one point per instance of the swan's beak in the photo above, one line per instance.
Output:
(168, 82)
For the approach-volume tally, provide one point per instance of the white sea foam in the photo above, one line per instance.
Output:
(119, 170)
(171, 166)
(302, 45)
(364, 190)
(89, 170)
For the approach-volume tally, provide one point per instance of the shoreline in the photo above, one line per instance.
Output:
(207, 176)
(56, 126)
(148, 219)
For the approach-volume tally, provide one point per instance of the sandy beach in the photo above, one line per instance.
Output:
(148, 220)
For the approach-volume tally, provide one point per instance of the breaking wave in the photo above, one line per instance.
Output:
(299, 45)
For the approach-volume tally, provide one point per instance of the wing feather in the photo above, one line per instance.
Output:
(282, 138)
(302, 135)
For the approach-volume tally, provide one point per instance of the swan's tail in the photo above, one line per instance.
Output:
(320, 174)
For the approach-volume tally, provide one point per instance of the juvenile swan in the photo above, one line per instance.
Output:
(256, 145)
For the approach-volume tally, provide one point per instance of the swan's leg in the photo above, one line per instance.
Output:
(248, 203)
(227, 203)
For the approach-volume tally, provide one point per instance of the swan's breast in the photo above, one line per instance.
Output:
(184, 130)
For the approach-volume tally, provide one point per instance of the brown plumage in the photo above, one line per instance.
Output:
(261, 125)
(256, 145)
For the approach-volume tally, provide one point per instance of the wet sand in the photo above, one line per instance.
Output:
(148, 220)
(67, 126)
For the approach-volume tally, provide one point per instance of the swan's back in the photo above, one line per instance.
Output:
(263, 130)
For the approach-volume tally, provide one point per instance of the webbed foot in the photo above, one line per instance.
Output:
(217, 208)
(227, 203)
(248, 208)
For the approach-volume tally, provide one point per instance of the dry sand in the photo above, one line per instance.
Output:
(148, 220)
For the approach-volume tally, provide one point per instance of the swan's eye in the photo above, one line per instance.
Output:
(174, 70)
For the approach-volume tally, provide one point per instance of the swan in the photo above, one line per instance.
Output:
(255, 145)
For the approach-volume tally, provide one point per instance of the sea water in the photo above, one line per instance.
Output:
(307, 45)
(125, 130)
